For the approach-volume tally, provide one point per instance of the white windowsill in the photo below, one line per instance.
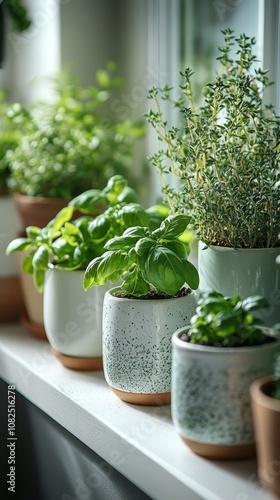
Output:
(140, 442)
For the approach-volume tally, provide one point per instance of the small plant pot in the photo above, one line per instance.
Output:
(266, 417)
(137, 345)
(211, 395)
(73, 319)
(11, 299)
(37, 210)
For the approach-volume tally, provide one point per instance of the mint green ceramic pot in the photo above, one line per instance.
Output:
(210, 394)
(244, 272)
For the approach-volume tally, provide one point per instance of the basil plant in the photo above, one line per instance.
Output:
(69, 243)
(148, 261)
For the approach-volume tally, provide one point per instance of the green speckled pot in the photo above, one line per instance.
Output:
(210, 395)
(244, 272)
(137, 345)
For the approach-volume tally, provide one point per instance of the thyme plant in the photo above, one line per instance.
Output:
(226, 154)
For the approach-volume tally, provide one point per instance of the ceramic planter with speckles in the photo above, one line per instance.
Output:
(211, 398)
(244, 272)
(137, 345)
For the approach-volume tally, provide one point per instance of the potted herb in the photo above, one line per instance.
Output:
(265, 400)
(56, 257)
(68, 146)
(215, 359)
(10, 293)
(226, 158)
(140, 316)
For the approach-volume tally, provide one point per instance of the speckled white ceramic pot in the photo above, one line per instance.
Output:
(244, 272)
(73, 319)
(137, 345)
(210, 395)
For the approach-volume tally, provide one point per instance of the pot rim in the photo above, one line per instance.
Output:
(150, 301)
(220, 248)
(258, 395)
(223, 350)
(41, 199)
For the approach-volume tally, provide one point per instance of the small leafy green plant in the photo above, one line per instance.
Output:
(226, 321)
(70, 244)
(71, 145)
(10, 136)
(225, 154)
(151, 263)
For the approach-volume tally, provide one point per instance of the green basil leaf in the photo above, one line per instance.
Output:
(129, 238)
(18, 245)
(191, 275)
(133, 215)
(177, 247)
(255, 302)
(135, 284)
(27, 264)
(111, 263)
(114, 188)
(144, 245)
(64, 215)
(32, 232)
(39, 279)
(173, 226)
(99, 227)
(165, 270)
(41, 258)
(128, 195)
(101, 269)
(71, 234)
(92, 202)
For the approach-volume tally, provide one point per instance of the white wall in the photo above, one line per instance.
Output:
(34, 55)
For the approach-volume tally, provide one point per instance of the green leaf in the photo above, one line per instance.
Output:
(165, 270)
(92, 202)
(99, 227)
(41, 258)
(64, 215)
(61, 249)
(173, 226)
(133, 215)
(144, 245)
(115, 186)
(255, 302)
(191, 275)
(127, 240)
(39, 279)
(18, 245)
(110, 266)
(128, 195)
(177, 247)
(32, 232)
(71, 234)
(111, 263)
(135, 284)
(27, 265)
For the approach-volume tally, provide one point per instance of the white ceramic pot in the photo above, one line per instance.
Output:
(73, 319)
(244, 272)
(211, 394)
(137, 345)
